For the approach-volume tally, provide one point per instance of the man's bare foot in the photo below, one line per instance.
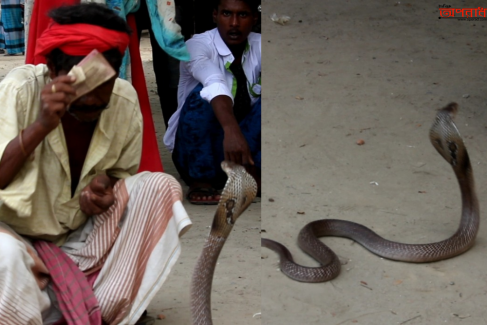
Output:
(203, 194)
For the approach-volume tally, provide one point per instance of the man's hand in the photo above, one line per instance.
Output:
(97, 197)
(236, 148)
(55, 98)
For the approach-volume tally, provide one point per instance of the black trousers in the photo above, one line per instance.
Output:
(166, 68)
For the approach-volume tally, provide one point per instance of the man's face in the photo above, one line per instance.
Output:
(234, 20)
(89, 107)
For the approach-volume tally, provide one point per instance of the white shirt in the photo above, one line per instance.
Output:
(209, 65)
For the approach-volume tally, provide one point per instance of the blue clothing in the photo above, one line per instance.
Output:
(168, 36)
(12, 23)
(123, 8)
(167, 33)
(198, 150)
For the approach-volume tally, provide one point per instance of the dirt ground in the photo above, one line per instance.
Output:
(373, 70)
(236, 285)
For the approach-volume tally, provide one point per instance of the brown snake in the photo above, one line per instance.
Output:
(238, 194)
(447, 140)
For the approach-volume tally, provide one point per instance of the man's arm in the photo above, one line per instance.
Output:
(216, 91)
(18, 150)
(53, 107)
(235, 146)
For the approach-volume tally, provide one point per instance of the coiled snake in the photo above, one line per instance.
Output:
(238, 194)
(447, 140)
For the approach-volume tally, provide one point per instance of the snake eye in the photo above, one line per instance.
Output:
(452, 146)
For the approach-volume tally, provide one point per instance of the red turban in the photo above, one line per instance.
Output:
(80, 39)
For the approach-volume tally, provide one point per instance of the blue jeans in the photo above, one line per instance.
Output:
(198, 149)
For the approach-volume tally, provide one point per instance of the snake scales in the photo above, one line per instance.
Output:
(238, 194)
(446, 139)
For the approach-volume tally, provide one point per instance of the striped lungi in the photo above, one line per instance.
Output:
(12, 26)
(134, 245)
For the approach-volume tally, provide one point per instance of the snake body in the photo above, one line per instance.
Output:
(239, 192)
(446, 139)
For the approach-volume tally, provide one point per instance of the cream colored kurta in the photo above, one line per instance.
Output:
(38, 201)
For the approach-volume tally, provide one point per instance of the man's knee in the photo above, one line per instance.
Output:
(162, 182)
(152, 183)
(12, 250)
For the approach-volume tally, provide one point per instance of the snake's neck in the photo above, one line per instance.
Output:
(202, 280)
(470, 205)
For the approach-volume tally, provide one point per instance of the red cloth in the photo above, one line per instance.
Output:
(75, 296)
(150, 160)
(39, 22)
(80, 39)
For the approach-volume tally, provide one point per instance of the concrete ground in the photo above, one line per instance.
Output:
(341, 71)
(236, 284)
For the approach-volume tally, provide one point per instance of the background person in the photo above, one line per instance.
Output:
(219, 102)
(12, 27)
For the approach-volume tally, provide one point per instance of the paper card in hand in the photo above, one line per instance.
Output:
(90, 72)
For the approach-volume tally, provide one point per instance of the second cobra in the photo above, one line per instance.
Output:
(446, 139)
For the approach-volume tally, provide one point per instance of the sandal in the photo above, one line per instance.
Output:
(205, 191)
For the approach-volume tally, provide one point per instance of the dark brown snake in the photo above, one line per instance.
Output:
(447, 140)
(238, 194)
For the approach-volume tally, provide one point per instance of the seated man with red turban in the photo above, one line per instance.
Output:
(83, 236)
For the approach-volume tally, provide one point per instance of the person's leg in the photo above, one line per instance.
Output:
(137, 241)
(2, 35)
(166, 68)
(166, 71)
(198, 149)
(142, 18)
(12, 19)
(21, 299)
(185, 17)
(251, 129)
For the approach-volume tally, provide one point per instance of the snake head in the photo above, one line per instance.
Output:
(229, 167)
(239, 192)
(446, 138)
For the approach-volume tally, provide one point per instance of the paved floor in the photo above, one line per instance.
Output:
(375, 70)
